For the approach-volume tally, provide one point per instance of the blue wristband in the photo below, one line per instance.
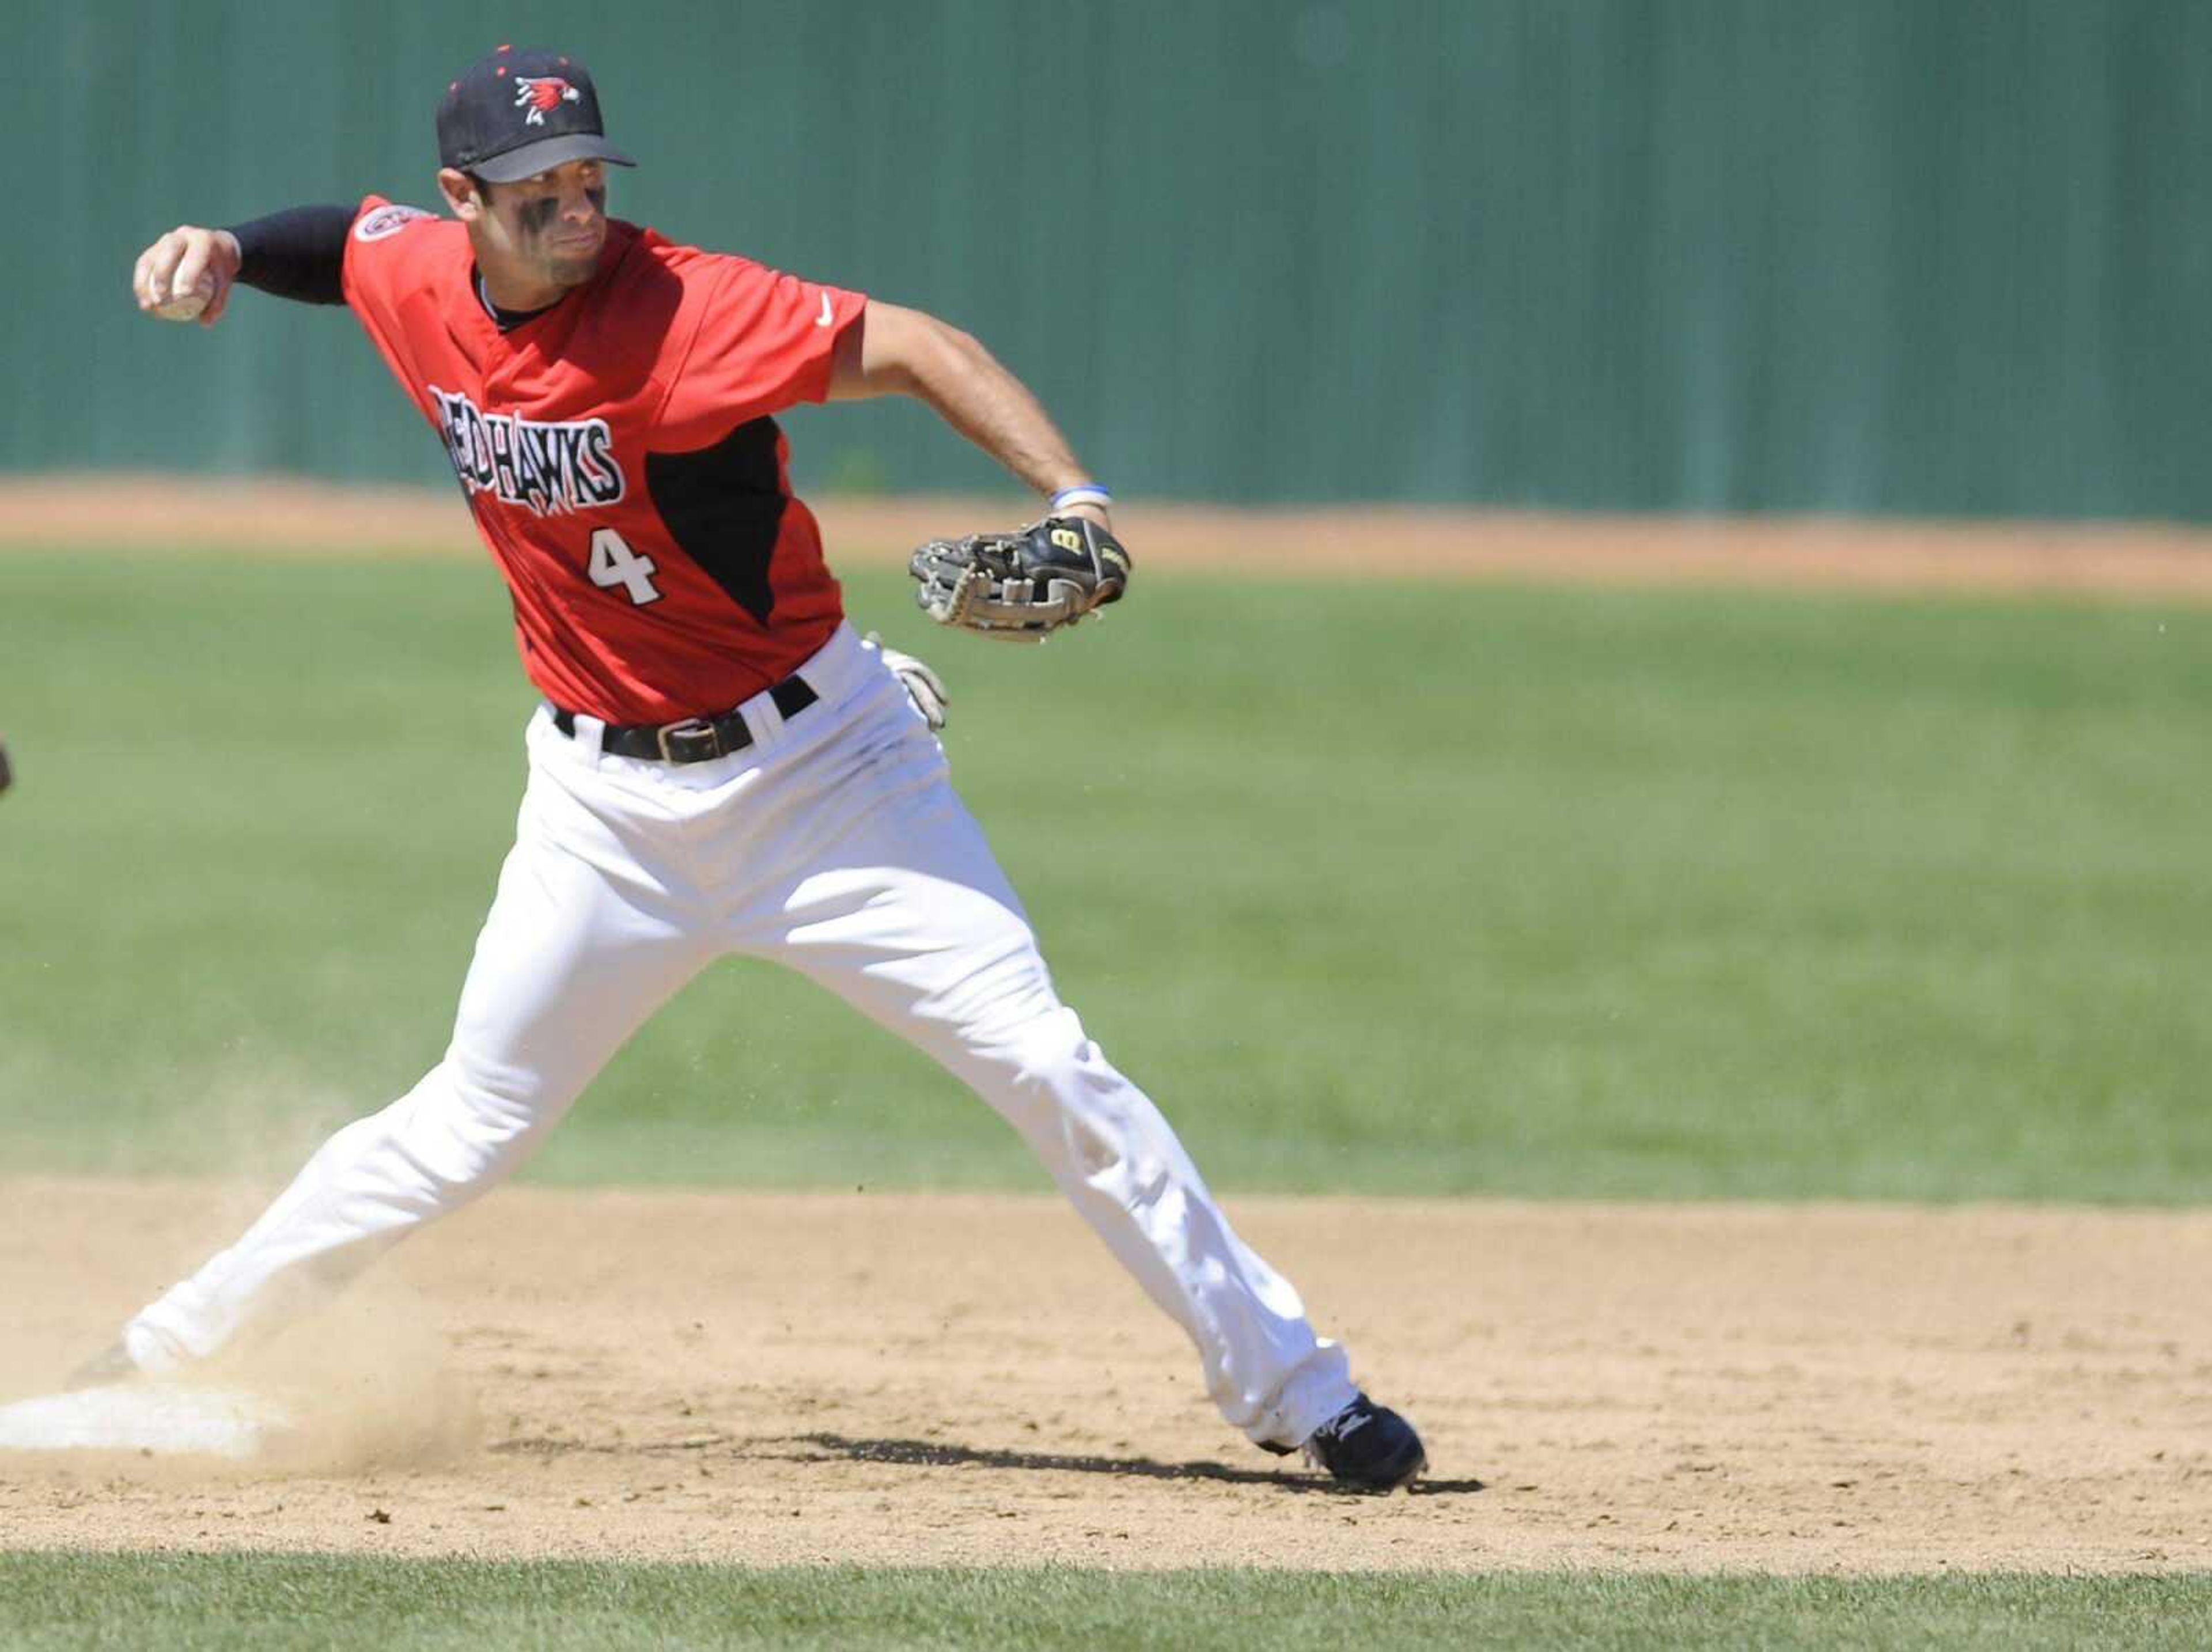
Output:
(1082, 493)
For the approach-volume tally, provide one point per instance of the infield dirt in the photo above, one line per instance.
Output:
(771, 1378)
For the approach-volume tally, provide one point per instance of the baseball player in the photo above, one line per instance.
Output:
(721, 763)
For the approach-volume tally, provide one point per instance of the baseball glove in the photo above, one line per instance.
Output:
(1023, 586)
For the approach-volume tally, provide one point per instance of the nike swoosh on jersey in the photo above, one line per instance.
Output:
(826, 316)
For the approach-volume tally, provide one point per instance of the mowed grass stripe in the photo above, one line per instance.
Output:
(1427, 890)
(246, 1601)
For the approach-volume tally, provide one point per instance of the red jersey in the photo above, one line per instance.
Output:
(619, 454)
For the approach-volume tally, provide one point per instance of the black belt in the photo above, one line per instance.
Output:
(696, 739)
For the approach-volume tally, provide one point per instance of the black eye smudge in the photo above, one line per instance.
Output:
(537, 213)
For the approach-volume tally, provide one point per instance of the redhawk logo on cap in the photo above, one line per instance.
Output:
(478, 133)
(541, 93)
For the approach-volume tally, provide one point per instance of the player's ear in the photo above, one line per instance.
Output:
(463, 194)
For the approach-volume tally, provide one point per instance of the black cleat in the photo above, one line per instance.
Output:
(1368, 1446)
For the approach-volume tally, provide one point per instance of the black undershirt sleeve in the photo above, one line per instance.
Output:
(298, 253)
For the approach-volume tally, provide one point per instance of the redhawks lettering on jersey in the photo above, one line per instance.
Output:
(622, 458)
(548, 467)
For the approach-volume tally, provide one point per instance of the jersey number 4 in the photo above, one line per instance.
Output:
(614, 563)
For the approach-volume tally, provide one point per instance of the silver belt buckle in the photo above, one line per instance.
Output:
(690, 725)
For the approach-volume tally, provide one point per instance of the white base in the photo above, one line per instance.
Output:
(132, 1416)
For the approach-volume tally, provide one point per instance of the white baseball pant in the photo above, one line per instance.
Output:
(833, 844)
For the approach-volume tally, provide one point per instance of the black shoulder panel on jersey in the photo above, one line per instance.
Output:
(724, 507)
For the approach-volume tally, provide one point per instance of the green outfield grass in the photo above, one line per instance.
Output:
(1392, 888)
(248, 1601)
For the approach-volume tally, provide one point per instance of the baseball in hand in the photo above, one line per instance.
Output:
(187, 306)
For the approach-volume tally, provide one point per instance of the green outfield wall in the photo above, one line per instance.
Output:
(1924, 255)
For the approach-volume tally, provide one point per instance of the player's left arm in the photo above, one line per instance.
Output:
(889, 350)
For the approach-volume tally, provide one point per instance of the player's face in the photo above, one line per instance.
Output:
(546, 230)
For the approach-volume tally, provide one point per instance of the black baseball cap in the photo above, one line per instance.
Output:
(513, 113)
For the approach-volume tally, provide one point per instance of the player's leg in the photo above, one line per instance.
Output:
(895, 903)
(585, 939)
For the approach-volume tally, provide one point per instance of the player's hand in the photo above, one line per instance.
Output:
(922, 685)
(1091, 512)
(187, 274)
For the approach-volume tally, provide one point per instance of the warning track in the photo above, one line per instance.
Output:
(2082, 562)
